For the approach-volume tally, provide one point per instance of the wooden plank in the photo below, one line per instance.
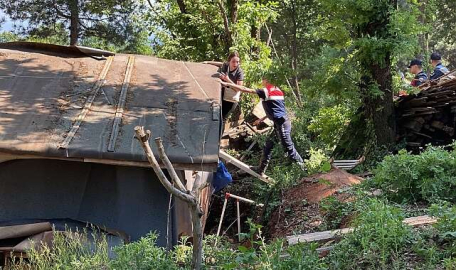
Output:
(328, 235)
(246, 168)
(121, 104)
(345, 163)
(87, 105)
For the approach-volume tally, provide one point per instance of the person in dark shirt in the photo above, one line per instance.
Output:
(231, 72)
(416, 68)
(274, 106)
(439, 69)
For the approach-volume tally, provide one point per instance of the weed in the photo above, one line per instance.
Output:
(430, 176)
(377, 242)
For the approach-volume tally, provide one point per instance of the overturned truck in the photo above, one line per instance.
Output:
(67, 148)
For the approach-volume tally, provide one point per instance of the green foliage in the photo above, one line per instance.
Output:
(142, 255)
(378, 241)
(317, 162)
(90, 251)
(69, 251)
(261, 255)
(335, 211)
(8, 37)
(115, 25)
(429, 176)
(446, 225)
(330, 124)
(195, 31)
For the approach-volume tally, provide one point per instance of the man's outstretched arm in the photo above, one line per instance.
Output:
(238, 87)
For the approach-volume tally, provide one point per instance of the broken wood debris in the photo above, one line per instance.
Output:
(430, 115)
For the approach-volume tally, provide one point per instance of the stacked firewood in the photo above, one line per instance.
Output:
(428, 117)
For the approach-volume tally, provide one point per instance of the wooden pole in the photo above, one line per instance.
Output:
(238, 220)
(222, 216)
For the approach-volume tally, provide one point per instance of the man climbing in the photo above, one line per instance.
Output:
(439, 69)
(274, 106)
(416, 68)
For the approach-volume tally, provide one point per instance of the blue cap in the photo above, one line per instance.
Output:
(415, 62)
(436, 56)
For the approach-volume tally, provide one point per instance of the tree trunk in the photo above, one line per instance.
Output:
(294, 52)
(228, 36)
(178, 190)
(379, 109)
(74, 22)
(182, 6)
(197, 237)
(233, 10)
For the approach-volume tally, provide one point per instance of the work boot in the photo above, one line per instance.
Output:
(302, 166)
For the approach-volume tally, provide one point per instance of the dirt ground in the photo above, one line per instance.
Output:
(300, 211)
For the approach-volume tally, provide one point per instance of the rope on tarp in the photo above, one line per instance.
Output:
(87, 105)
(197, 83)
(121, 104)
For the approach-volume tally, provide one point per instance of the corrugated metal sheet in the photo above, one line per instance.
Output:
(42, 93)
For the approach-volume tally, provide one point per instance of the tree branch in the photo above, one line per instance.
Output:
(225, 22)
(143, 138)
(59, 12)
(182, 6)
(168, 165)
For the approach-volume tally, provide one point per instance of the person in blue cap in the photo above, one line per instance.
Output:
(439, 69)
(416, 68)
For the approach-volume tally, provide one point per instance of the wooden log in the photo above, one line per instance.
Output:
(437, 125)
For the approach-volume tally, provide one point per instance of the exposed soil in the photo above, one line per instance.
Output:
(300, 211)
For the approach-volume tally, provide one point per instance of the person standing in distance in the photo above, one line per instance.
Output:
(416, 68)
(439, 69)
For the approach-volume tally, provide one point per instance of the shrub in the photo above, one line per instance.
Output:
(142, 255)
(379, 238)
(430, 176)
(71, 250)
(334, 211)
(330, 124)
(317, 162)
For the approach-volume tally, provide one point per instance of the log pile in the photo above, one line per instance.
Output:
(428, 117)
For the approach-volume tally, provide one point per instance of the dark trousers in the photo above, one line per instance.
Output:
(228, 108)
(282, 132)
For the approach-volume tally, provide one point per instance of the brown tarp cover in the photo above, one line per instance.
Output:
(42, 93)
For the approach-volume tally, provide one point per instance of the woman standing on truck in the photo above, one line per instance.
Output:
(231, 72)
